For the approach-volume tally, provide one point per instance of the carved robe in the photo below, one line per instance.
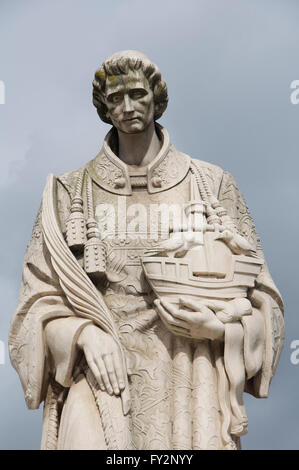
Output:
(175, 387)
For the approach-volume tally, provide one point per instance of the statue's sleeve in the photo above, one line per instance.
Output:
(44, 329)
(267, 320)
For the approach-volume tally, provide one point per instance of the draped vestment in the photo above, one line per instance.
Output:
(174, 381)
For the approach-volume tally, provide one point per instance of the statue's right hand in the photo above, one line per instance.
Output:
(103, 358)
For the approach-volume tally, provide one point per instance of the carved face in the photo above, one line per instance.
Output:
(130, 102)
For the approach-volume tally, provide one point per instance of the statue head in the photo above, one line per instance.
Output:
(133, 72)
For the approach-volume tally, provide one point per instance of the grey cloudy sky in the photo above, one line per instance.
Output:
(228, 65)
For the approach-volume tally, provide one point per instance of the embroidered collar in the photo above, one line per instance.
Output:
(167, 169)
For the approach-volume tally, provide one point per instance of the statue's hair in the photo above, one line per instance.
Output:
(121, 63)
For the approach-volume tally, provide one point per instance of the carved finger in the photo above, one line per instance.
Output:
(164, 316)
(101, 384)
(104, 375)
(168, 319)
(189, 303)
(188, 318)
(166, 322)
(97, 375)
(181, 318)
(108, 360)
(175, 312)
(117, 362)
(195, 306)
(163, 313)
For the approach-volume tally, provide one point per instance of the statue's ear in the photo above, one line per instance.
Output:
(103, 113)
(159, 109)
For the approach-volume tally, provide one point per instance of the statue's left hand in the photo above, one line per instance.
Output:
(199, 323)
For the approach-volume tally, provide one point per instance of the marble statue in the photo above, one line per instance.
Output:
(146, 308)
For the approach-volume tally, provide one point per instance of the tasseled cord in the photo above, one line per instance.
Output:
(94, 249)
(215, 212)
(75, 225)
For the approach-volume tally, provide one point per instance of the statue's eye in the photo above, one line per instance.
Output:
(115, 98)
(137, 94)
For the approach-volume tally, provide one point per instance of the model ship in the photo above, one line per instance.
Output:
(202, 259)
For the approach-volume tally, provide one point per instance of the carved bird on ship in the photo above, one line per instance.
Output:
(237, 243)
(177, 245)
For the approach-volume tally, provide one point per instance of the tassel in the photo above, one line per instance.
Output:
(94, 252)
(215, 212)
(94, 249)
(212, 217)
(195, 210)
(75, 225)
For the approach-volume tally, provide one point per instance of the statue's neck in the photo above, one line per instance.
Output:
(139, 149)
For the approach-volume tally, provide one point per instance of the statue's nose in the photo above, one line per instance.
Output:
(128, 106)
